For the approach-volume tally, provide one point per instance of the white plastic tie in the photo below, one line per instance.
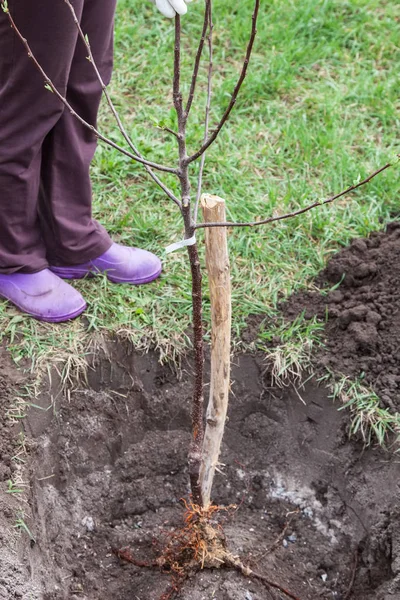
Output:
(182, 244)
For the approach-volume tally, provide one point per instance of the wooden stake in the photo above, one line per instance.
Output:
(217, 260)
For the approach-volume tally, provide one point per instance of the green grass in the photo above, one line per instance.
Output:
(318, 110)
(368, 419)
(21, 526)
(288, 347)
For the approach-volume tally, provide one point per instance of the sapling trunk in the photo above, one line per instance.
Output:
(217, 261)
(195, 452)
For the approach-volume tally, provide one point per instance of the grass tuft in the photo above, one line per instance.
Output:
(368, 419)
(292, 344)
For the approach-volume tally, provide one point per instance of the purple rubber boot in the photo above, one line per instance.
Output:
(42, 295)
(120, 263)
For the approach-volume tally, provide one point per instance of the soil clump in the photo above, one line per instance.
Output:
(360, 297)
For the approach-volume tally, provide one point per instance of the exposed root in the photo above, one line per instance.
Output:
(292, 515)
(199, 545)
(247, 572)
(178, 575)
(126, 555)
(353, 576)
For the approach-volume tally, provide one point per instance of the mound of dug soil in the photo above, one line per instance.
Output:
(363, 310)
(316, 513)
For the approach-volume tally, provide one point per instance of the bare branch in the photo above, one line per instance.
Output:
(50, 85)
(169, 130)
(198, 58)
(236, 91)
(176, 86)
(300, 211)
(208, 109)
(110, 103)
(183, 171)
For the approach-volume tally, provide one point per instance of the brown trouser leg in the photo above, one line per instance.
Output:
(45, 191)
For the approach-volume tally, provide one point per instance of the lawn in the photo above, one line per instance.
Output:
(318, 110)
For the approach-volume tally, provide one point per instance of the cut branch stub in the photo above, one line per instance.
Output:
(217, 260)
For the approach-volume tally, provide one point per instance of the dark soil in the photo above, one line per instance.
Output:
(9, 380)
(15, 581)
(110, 470)
(363, 328)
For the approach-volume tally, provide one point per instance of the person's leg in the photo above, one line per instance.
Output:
(28, 112)
(76, 244)
(71, 236)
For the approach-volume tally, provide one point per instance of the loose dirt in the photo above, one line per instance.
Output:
(15, 579)
(363, 311)
(315, 512)
(9, 380)
(313, 508)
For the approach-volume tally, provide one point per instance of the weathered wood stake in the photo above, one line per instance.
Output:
(217, 260)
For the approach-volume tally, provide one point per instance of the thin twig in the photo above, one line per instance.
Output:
(183, 170)
(50, 85)
(114, 111)
(208, 109)
(300, 211)
(236, 91)
(176, 85)
(169, 130)
(198, 58)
